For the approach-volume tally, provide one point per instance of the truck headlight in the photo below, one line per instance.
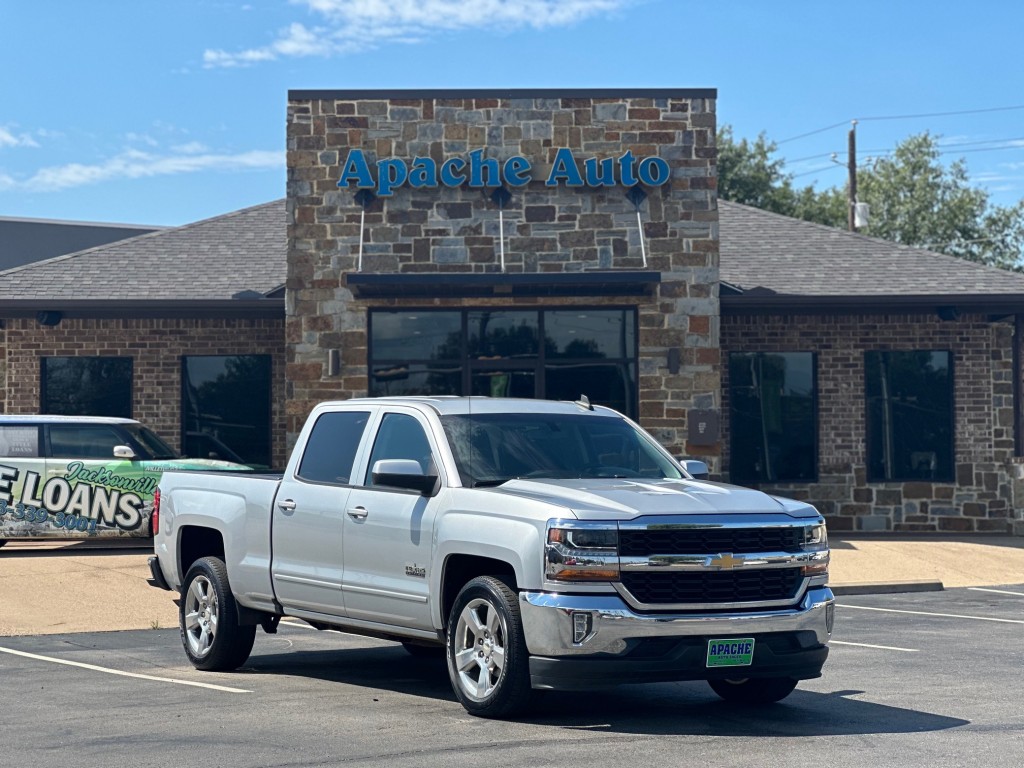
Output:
(816, 541)
(815, 536)
(581, 551)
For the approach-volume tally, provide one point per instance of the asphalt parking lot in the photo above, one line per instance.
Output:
(929, 679)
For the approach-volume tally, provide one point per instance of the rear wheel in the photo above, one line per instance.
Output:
(754, 690)
(487, 657)
(208, 619)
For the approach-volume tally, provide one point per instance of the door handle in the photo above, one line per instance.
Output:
(287, 505)
(357, 513)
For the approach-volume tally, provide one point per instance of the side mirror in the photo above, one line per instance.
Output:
(403, 473)
(697, 469)
(123, 452)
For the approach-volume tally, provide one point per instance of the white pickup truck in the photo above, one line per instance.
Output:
(542, 545)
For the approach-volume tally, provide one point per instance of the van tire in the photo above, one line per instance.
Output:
(208, 619)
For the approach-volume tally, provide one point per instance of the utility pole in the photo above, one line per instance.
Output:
(852, 166)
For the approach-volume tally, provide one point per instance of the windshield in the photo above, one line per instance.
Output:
(153, 446)
(492, 448)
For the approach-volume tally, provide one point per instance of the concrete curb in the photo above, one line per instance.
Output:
(886, 588)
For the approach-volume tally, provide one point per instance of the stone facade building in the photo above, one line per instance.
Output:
(547, 244)
(499, 247)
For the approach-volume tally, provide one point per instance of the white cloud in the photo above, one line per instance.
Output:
(10, 139)
(353, 25)
(135, 164)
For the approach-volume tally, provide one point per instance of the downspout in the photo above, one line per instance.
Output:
(1018, 417)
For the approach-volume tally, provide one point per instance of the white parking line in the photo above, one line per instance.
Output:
(109, 671)
(997, 591)
(879, 647)
(926, 613)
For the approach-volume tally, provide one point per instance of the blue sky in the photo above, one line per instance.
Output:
(154, 112)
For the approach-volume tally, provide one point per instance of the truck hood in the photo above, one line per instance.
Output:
(625, 499)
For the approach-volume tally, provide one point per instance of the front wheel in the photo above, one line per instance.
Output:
(487, 657)
(754, 690)
(208, 619)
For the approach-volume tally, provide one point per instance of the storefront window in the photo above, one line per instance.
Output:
(773, 423)
(87, 386)
(548, 354)
(225, 407)
(909, 415)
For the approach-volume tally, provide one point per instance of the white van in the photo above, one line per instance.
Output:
(82, 476)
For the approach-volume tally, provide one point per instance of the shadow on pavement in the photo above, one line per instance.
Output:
(669, 708)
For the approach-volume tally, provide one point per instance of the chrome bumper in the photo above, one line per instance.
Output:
(548, 622)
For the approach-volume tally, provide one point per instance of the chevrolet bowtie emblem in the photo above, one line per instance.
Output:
(723, 561)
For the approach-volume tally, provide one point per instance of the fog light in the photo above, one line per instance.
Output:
(582, 623)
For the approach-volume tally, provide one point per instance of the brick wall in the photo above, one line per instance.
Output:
(156, 347)
(547, 229)
(980, 499)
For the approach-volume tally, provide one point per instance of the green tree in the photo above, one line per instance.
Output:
(749, 173)
(914, 199)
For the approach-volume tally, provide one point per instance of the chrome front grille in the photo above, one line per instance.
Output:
(663, 541)
(711, 587)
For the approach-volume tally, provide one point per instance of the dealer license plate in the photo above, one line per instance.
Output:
(731, 652)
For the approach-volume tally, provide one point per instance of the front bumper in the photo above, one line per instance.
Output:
(622, 646)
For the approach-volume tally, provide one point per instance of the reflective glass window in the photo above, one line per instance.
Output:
(773, 422)
(87, 386)
(225, 407)
(909, 415)
(589, 333)
(331, 448)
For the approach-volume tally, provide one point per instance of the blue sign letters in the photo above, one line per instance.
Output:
(485, 172)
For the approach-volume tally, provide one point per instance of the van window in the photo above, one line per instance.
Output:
(84, 441)
(19, 441)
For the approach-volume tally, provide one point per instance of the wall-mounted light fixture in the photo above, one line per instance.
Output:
(365, 198)
(49, 317)
(333, 362)
(673, 360)
(636, 195)
(501, 197)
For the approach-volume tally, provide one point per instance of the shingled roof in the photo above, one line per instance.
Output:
(778, 262)
(769, 262)
(231, 260)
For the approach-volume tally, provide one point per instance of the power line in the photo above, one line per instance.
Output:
(905, 117)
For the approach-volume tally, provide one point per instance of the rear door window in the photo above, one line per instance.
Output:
(331, 449)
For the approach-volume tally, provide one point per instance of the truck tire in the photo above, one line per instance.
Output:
(208, 619)
(487, 658)
(754, 690)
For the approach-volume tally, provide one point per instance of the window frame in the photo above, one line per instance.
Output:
(43, 409)
(815, 420)
(469, 366)
(868, 433)
(268, 416)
